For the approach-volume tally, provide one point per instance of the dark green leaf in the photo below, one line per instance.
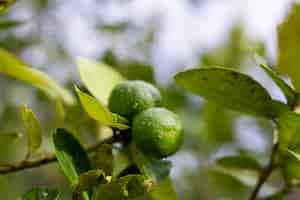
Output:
(291, 165)
(5, 4)
(135, 70)
(246, 177)
(288, 92)
(33, 130)
(121, 162)
(99, 78)
(41, 194)
(90, 178)
(71, 156)
(289, 45)
(99, 112)
(289, 127)
(114, 28)
(294, 154)
(103, 159)
(10, 24)
(277, 196)
(239, 162)
(157, 170)
(127, 187)
(12, 66)
(231, 89)
(87, 180)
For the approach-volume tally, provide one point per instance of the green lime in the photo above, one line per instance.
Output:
(132, 97)
(157, 132)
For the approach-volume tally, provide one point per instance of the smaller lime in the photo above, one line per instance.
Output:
(132, 97)
(158, 132)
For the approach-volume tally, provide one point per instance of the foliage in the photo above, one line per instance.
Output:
(93, 146)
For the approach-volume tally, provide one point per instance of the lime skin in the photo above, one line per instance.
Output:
(132, 97)
(158, 132)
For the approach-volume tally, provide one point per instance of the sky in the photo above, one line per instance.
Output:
(184, 31)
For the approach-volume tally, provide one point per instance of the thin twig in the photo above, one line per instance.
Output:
(6, 169)
(266, 172)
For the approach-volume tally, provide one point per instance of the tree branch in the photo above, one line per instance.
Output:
(6, 169)
(266, 172)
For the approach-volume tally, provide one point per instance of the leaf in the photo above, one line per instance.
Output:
(289, 45)
(60, 112)
(10, 24)
(103, 159)
(135, 70)
(41, 194)
(289, 127)
(99, 78)
(248, 178)
(12, 66)
(72, 158)
(8, 138)
(293, 154)
(99, 112)
(86, 181)
(291, 166)
(114, 28)
(33, 129)
(5, 4)
(121, 162)
(277, 196)
(157, 170)
(288, 92)
(127, 187)
(230, 89)
(164, 191)
(239, 162)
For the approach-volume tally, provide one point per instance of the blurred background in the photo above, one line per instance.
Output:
(149, 40)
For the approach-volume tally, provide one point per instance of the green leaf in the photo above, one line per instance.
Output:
(86, 181)
(114, 28)
(41, 194)
(60, 112)
(288, 92)
(127, 187)
(239, 162)
(230, 89)
(289, 127)
(96, 110)
(291, 165)
(289, 45)
(277, 196)
(121, 161)
(294, 154)
(103, 159)
(99, 78)
(164, 191)
(10, 24)
(8, 138)
(248, 178)
(71, 156)
(5, 4)
(33, 129)
(12, 66)
(157, 170)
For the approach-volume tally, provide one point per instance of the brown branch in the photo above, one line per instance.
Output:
(6, 169)
(266, 172)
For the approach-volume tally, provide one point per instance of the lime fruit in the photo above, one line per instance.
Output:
(158, 132)
(132, 97)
